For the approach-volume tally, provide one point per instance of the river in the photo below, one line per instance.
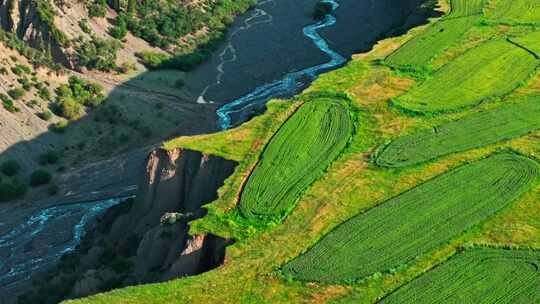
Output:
(274, 50)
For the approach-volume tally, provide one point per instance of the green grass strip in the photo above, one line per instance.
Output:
(493, 69)
(530, 41)
(509, 121)
(295, 157)
(515, 11)
(463, 8)
(419, 51)
(480, 276)
(422, 219)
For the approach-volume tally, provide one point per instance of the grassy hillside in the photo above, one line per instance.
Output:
(358, 204)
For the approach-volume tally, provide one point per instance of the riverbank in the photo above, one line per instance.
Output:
(276, 31)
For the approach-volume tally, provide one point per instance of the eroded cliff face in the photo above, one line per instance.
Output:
(133, 244)
(22, 18)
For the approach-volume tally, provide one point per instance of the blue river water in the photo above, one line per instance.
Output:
(37, 242)
(291, 82)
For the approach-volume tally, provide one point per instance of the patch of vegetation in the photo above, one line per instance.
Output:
(419, 51)
(49, 158)
(152, 60)
(484, 275)
(10, 167)
(490, 70)
(464, 8)
(16, 93)
(530, 42)
(392, 234)
(97, 8)
(10, 190)
(97, 53)
(9, 104)
(40, 177)
(85, 26)
(295, 157)
(515, 12)
(72, 98)
(477, 130)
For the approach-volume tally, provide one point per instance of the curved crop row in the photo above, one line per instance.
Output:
(295, 157)
(492, 69)
(422, 219)
(480, 129)
(419, 51)
(481, 276)
(462, 8)
(515, 11)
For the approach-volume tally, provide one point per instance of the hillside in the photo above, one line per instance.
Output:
(68, 68)
(428, 189)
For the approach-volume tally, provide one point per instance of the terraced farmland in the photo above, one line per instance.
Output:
(481, 276)
(530, 42)
(417, 221)
(295, 157)
(515, 11)
(419, 51)
(462, 8)
(480, 129)
(492, 69)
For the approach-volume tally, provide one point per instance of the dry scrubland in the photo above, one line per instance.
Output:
(438, 182)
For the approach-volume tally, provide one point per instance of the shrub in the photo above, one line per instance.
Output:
(60, 127)
(45, 115)
(97, 8)
(8, 104)
(152, 60)
(17, 93)
(12, 190)
(40, 177)
(120, 29)
(10, 167)
(85, 26)
(49, 158)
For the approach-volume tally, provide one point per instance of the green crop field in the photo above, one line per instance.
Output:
(530, 42)
(515, 11)
(417, 221)
(461, 8)
(480, 129)
(492, 69)
(480, 276)
(295, 157)
(419, 51)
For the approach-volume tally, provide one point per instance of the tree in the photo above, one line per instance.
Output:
(10, 167)
(40, 177)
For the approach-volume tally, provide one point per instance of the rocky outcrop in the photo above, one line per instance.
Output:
(130, 244)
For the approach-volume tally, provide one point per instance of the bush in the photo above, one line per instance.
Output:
(8, 104)
(120, 30)
(10, 167)
(85, 26)
(60, 127)
(97, 54)
(40, 177)
(17, 93)
(49, 158)
(69, 108)
(152, 60)
(98, 8)
(45, 115)
(12, 190)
